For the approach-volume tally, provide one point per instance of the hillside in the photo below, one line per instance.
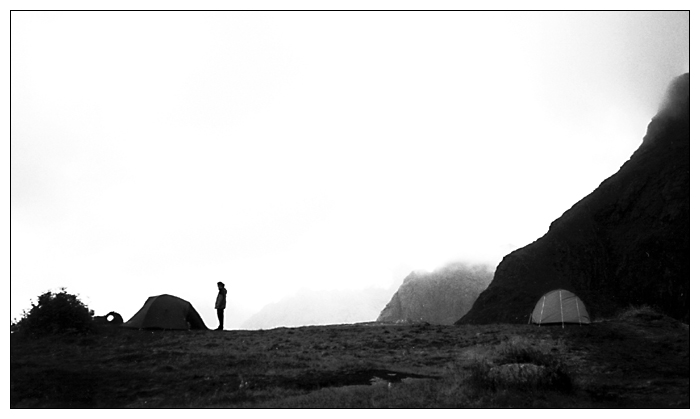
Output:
(439, 297)
(627, 243)
(613, 363)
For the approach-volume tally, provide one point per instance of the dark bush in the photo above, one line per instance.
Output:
(55, 313)
(518, 366)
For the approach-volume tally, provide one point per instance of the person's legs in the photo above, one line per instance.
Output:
(220, 315)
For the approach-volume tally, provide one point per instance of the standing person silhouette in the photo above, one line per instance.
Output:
(220, 305)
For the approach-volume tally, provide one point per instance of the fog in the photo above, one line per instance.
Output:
(158, 153)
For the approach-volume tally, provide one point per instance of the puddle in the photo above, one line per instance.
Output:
(348, 378)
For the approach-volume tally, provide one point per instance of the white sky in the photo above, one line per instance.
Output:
(161, 152)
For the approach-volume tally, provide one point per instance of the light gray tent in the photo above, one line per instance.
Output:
(560, 306)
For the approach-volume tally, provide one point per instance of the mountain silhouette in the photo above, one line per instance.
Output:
(627, 243)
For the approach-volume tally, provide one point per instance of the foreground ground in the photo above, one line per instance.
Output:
(634, 361)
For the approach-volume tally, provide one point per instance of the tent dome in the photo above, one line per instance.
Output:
(560, 306)
(166, 312)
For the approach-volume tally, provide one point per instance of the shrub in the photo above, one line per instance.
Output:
(520, 366)
(55, 313)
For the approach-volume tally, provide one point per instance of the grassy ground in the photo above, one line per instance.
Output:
(637, 360)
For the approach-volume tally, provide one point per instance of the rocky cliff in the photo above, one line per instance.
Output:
(627, 243)
(440, 297)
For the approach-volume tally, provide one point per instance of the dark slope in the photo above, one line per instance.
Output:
(627, 243)
(440, 297)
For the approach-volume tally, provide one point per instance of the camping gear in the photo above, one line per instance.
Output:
(166, 312)
(560, 306)
(112, 318)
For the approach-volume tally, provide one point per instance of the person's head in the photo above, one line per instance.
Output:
(220, 284)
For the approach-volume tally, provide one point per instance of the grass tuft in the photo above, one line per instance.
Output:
(643, 312)
(518, 365)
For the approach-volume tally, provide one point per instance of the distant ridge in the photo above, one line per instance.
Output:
(627, 243)
(440, 297)
(320, 307)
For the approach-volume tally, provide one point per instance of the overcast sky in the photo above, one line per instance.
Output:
(161, 152)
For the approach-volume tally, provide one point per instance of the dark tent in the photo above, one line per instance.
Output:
(166, 312)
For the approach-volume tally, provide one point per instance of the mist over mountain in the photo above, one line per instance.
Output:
(439, 297)
(321, 307)
(626, 243)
